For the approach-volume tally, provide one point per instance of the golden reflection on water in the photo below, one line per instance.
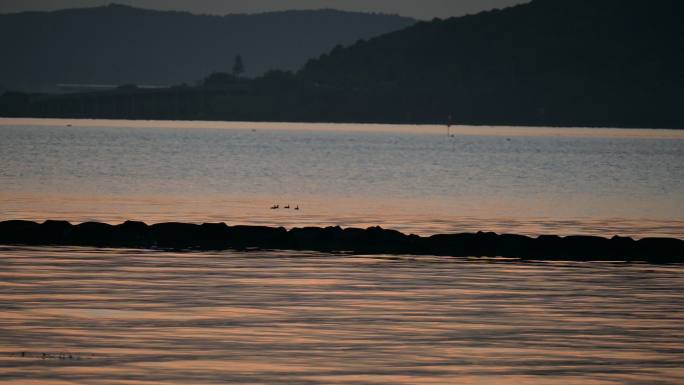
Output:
(146, 317)
(422, 217)
(411, 178)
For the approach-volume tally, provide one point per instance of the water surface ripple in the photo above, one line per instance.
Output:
(410, 178)
(144, 317)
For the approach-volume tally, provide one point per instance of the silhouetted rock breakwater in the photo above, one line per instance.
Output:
(373, 240)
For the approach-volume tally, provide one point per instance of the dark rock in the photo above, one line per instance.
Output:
(243, 237)
(313, 238)
(622, 246)
(585, 247)
(214, 235)
(131, 234)
(514, 246)
(93, 234)
(373, 240)
(548, 246)
(660, 249)
(55, 232)
(22, 232)
(481, 244)
(174, 235)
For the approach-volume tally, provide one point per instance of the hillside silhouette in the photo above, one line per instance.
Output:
(578, 62)
(119, 44)
(614, 63)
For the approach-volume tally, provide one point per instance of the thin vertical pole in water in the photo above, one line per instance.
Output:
(453, 145)
(449, 125)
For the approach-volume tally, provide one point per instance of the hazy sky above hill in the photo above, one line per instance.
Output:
(423, 9)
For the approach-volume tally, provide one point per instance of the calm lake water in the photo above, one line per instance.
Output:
(144, 317)
(102, 316)
(411, 178)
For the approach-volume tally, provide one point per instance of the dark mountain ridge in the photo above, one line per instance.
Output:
(581, 62)
(611, 63)
(119, 44)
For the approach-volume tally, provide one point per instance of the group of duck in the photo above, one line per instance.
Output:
(276, 207)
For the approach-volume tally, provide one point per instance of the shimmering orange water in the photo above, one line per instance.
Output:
(144, 317)
(412, 178)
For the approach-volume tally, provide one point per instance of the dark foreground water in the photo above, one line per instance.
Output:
(144, 317)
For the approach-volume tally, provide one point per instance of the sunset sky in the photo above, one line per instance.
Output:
(423, 9)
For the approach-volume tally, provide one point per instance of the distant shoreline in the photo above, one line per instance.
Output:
(426, 128)
(373, 240)
(428, 123)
